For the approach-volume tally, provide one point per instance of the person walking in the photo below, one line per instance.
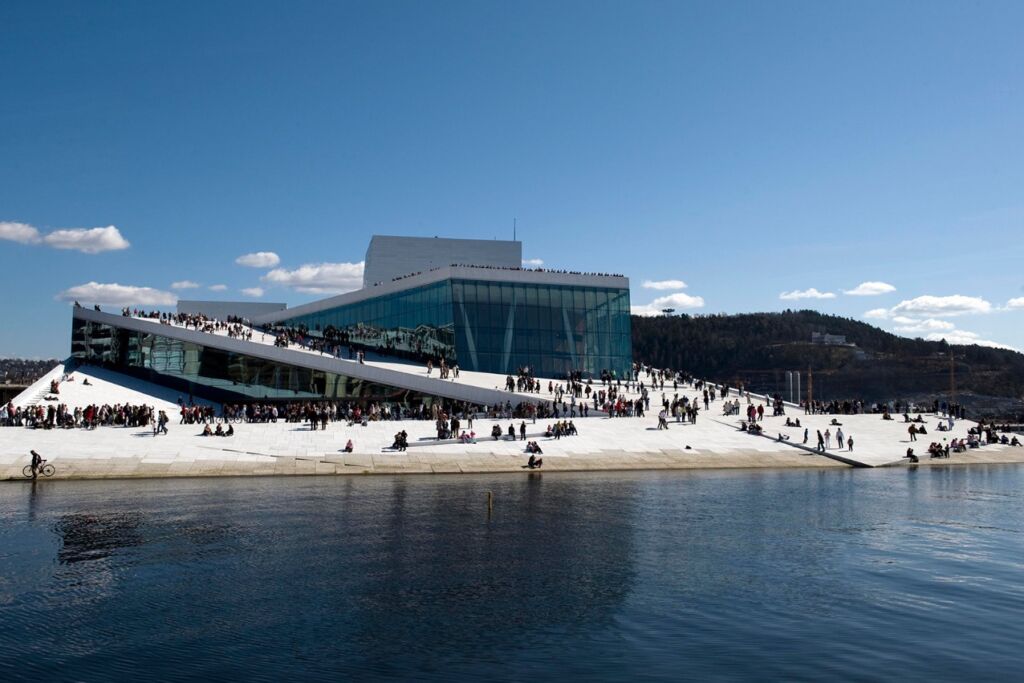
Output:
(37, 462)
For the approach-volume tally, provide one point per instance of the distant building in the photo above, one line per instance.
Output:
(828, 339)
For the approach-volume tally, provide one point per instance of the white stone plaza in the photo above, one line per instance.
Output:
(603, 443)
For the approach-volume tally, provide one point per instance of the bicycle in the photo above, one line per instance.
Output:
(44, 469)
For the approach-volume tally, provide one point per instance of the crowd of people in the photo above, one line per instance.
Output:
(525, 382)
(320, 413)
(861, 407)
(530, 270)
(219, 431)
(233, 327)
(61, 416)
(423, 345)
(537, 269)
(825, 439)
(973, 439)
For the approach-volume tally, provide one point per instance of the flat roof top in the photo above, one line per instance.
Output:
(391, 256)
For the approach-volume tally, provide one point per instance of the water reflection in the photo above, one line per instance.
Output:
(591, 576)
(86, 537)
(549, 557)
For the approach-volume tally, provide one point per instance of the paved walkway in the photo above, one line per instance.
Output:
(289, 448)
(285, 448)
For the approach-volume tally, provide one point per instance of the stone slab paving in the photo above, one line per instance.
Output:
(604, 444)
(291, 448)
(105, 386)
(288, 448)
(879, 442)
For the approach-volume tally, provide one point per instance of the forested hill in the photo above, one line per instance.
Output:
(758, 349)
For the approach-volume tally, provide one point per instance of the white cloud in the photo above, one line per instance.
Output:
(1016, 303)
(254, 292)
(678, 301)
(319, 278)
(911, 326)
(811, 293)
(18, 232)
(114, 294)
(86, 240)
(967, 338)
(218, 288)
(877, 314)
(259, 259)
(942, 306)
(664, 284)
(870, 289)
(185, 284)
(533, 262)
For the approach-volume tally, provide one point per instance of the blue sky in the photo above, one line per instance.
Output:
(748, 150)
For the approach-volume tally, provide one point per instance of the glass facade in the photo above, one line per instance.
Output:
(493, 326)
(217, 374)
(416, 322)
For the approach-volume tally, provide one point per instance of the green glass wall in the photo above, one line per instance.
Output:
(494, 326)
(214, 373)
(548, 328)
(415, 322)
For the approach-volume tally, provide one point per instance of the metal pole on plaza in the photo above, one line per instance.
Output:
(952, 378)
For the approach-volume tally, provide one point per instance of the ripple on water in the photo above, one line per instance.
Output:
(765, 575)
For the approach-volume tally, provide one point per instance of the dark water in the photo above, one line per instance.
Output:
(856, 575)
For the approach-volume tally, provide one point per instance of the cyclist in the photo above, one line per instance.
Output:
(37, 463)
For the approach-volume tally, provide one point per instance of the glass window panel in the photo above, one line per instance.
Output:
(554, 297)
